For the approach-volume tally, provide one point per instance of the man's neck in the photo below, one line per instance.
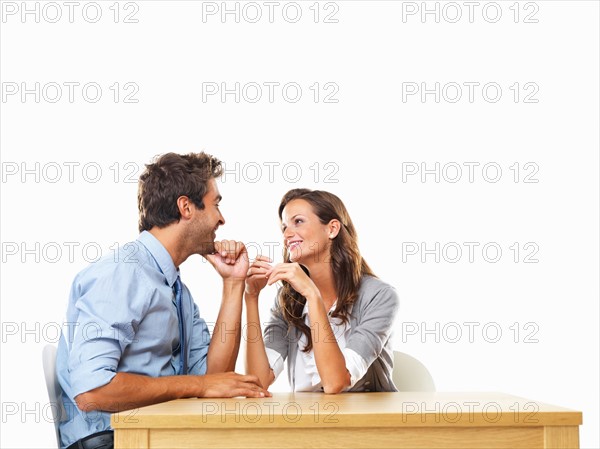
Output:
(170, 239)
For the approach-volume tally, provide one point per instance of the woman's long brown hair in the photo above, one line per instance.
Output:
(347, 264)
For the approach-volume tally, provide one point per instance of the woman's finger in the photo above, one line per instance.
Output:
(254, 271)
(278, 277)
(264, 265)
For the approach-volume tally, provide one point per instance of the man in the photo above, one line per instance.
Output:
(134, 335)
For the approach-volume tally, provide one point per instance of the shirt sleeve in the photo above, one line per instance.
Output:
(377, 315)
(110, 306)
(275, 361)
(200, 341)
(356, 366)
(275, 337)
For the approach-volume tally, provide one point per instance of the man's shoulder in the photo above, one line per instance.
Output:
(131, 259)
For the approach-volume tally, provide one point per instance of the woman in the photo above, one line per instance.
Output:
(333, 318)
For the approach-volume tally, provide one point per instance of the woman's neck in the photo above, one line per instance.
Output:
(322, 275)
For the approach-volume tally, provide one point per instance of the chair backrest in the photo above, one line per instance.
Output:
(53, 387)
(411, 375)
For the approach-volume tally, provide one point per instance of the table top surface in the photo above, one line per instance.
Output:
(405, 409)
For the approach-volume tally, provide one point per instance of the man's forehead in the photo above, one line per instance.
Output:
(213, 190)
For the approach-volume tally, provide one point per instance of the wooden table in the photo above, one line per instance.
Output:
(352, 420)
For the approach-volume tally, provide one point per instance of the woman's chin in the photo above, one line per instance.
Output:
(295, 258)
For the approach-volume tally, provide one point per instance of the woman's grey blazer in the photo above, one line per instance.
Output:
(371, 319)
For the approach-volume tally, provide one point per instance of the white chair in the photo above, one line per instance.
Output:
(411, 375)
(53, 387)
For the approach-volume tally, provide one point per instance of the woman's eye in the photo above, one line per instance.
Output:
(298, 220)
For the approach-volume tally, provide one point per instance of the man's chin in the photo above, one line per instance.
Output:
(207, 248)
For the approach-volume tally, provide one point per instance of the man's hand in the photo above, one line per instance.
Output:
(229, 385)
(230, 259)
(127, 391)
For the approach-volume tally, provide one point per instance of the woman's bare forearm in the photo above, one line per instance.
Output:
(330, 361)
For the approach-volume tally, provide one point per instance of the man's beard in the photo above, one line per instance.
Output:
(201, 238)
(207, 245)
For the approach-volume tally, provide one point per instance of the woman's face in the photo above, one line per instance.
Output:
(304, 236)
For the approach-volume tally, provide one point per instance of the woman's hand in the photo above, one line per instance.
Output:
(295, 276)
(256, 277)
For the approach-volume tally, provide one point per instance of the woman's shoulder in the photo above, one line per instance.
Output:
(372, 288)
(373, 284)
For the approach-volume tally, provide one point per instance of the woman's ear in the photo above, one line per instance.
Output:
(334, 228)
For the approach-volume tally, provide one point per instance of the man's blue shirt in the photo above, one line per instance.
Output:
(122, 317)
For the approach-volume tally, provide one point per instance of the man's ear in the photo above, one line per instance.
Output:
(185, 207)
(334, 228)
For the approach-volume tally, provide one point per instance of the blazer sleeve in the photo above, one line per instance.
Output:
(377, 312)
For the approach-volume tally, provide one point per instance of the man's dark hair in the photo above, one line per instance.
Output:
(167, 178)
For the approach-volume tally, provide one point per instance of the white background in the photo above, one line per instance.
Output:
(369, 136)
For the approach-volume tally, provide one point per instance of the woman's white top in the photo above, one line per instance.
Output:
(306, 373)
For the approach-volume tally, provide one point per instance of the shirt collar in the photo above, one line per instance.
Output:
(160, 255)
(329, 312)
(305, 309)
